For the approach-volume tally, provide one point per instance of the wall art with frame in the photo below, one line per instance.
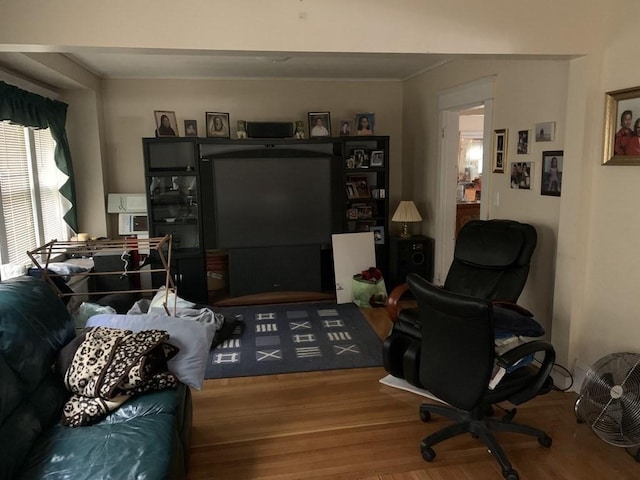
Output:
(521, 175)
(552, 172)
(621, 127)
(499, 150)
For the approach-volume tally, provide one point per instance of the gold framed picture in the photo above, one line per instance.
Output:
(622, 127)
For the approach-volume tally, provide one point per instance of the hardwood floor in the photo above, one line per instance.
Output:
(344, 424)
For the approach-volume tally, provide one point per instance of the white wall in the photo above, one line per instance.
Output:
(526, 92)
(436, 26)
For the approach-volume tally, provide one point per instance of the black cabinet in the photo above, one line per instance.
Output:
(174, 208)
(279, 196)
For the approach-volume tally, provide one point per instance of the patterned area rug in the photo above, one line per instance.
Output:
(296, 338)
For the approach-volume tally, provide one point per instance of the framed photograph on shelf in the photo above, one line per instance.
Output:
(345, 128)
(319, 124)
(365, 123)
(378, 235)
(166, 123)
(351, 191)
(521, 178)
(352, 213)
(217, 124)
(545, 132)
(365, 212)
(359, 157)
(377, 158)
(500, 150)
(621, 131)
(361, 186)
(365, 226)
(552, 173)
(523, 142)
(190, 128)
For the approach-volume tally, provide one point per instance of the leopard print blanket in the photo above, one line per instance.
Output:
(108, 366)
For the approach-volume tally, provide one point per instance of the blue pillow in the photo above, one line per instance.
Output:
(189, 336)
(507, 321)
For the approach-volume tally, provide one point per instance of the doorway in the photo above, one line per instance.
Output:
(455, 103)
(469, 166)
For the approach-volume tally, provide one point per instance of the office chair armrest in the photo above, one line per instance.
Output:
(393, 307)
(511, 357)
(512, 306)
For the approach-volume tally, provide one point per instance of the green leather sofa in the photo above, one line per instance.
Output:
(146, 438)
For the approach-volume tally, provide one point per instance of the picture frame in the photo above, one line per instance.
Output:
(551, 183)
(545, 132)
(217, 124)
(352, 214)
(622, 114)
(499, 149)
(524, 137)
(346, 127)
(361, 186)
(378, 235)
(299, 129)
(241, 129)
(365, 226)
(190, 128)
(359, 158)
(319, 124)
(377, 158)
(166, 123)
(521, 175)
(364, 123)
(365, 212)
(350, 188)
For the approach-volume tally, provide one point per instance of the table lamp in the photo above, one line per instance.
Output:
(406, 213)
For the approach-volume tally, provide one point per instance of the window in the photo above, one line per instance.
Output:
(31, 209)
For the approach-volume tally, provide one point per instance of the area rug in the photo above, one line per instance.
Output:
(296, 338)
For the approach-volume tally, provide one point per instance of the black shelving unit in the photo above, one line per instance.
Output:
(174, 208)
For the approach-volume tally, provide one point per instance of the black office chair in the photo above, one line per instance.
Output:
(491, 261)
(457, 365)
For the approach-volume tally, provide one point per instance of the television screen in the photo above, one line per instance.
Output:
(272, 201)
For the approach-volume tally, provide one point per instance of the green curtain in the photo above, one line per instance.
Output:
(31, 110)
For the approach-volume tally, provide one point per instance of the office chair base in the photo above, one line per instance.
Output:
(481, 428)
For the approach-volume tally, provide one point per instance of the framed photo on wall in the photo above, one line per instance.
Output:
(217, 124)
(499, 150)
(621, 127)
(523, 141)
(521, 175)
(545, 132)
(166, 123)
(319, 124)
(552, 173)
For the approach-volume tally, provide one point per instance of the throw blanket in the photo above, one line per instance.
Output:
(105, 366)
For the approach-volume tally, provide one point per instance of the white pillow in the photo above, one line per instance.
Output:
(190, 337)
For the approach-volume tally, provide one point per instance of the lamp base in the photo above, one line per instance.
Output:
(405, 230)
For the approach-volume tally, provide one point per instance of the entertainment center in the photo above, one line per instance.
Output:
(268, 205)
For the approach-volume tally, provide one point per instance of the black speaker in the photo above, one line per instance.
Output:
(269, 129)
(410, 255)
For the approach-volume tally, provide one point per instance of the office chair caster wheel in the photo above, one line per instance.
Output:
(428, 454)
(510, 475)
(545, 441)
(425, 416)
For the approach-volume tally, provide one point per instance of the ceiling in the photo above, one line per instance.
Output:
(207, 64)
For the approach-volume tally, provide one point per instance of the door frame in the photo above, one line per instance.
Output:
(450, 103)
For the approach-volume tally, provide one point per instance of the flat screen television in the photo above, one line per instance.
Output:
(272, 201)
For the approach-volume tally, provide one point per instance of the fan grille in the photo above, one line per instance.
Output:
(610, 399)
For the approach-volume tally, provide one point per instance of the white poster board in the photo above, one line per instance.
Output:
(352, 253)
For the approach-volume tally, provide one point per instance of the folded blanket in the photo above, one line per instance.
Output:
(103, 367)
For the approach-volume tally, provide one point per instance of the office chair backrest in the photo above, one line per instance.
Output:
(491, 259)
(457, 352)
